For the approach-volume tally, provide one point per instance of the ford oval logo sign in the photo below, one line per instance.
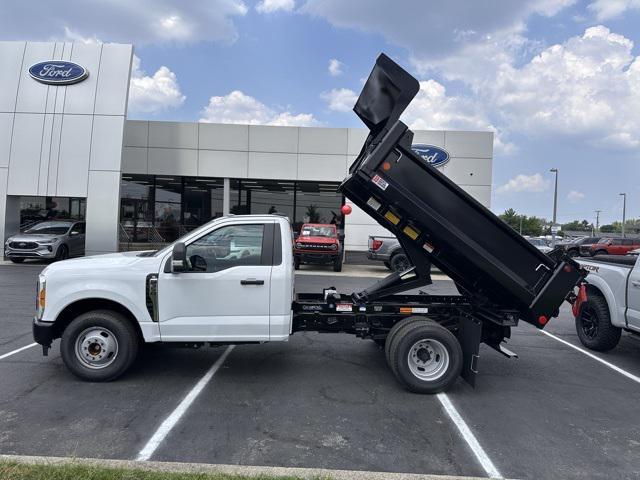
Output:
(434, 156)
(58, 72)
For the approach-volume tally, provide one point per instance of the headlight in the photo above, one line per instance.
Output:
(298, 245)
(41, 297)
(48, 242)
(334, 247)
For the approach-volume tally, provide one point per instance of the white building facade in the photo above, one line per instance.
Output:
(68, 150)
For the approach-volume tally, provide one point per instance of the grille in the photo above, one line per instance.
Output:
(316, 246)
(23, 245)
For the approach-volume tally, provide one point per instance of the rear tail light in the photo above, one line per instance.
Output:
(375, 246)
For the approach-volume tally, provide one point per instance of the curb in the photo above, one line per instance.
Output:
(249, 471)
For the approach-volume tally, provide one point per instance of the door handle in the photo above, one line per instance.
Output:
(251, 281)
(635, 283)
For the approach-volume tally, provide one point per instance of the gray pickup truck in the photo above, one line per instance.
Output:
(389, 251)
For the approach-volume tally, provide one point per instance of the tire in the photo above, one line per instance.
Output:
(99, 328)
(400, 262)
(296, 263)
(405, 322)
(17, 260)
(573, 253)
(337, 264)
(426, 357)
(593, 325)
(600, 252)
(388, 265)
(62, 253)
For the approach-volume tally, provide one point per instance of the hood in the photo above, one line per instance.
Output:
(311, 239)
(32, 237)
(95, 264)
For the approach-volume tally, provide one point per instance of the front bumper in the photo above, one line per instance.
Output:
(324, 257)
(43, 332)
(42, 251)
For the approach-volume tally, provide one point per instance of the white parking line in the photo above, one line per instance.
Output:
(469, 437)
(175, 416)
(18, 350)
(613, 367)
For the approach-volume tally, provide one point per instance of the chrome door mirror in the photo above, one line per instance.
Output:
(179, 258)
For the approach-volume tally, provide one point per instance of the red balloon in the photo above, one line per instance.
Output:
(346, 209)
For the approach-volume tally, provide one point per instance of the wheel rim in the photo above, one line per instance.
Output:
(428, 359)
(96, 348)
(589, 322)
(402, 264)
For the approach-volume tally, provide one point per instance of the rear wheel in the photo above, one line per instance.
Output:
(593, 325)
(99, 346)
(405, 322)
(573, 253)
(17, 260)
(388, 265)
(400, 262)
(426, 357)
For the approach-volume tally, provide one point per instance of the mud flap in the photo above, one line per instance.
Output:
(469, 336)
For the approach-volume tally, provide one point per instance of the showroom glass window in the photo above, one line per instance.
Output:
(36, 209)
(317, 202)
(262, 196)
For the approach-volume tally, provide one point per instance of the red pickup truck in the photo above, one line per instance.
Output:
(614, 246)
(318, 243)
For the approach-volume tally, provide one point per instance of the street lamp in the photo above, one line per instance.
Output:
(624, 211)
(555, 209)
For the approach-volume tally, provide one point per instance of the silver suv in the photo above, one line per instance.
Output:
(53, 240)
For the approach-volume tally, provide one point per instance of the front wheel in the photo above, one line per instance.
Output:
(573, 253)
(296, 263)
(426, 357)
(600, 252)
(62, 253)
(593, 325)
(337, 264)
(99, 346)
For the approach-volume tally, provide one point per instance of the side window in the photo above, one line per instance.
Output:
(226, 247)
(616, 241)
(79, 227)
(628, 242)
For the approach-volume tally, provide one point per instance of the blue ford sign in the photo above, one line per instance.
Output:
(434, 156)
(56, 72)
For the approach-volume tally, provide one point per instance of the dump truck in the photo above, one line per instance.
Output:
(196, 292)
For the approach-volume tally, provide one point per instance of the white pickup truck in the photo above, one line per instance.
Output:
(609, 302)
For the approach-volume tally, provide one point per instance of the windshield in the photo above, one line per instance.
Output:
(537, 242)
(50, 228)
(318, 231)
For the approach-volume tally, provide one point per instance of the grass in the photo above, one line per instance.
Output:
(22, 471)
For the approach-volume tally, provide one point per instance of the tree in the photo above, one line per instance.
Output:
(578, 226)
(530, 225)
(313, 214)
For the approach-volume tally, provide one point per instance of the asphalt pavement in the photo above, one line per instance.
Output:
(327, 400)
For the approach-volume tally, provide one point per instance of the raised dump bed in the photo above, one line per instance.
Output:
(499, 272)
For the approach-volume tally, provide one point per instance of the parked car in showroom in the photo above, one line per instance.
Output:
(614, 246)
(389, 251)
(51, 240)
(574, 247)
(318, 243)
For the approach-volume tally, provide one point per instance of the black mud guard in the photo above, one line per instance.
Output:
(469, 336)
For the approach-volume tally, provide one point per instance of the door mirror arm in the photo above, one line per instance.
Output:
(179, 261)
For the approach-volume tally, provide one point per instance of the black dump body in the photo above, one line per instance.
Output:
(436, 221)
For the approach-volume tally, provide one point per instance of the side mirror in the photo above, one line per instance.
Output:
(74, 233)
(179, 258)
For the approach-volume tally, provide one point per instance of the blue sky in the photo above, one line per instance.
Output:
(557, 80)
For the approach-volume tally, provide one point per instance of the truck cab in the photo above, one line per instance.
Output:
(230, 281)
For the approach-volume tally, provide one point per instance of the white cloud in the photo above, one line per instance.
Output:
(575, 196)
(270, 6)
(335, 67)
(140, 22)
(525, 183)
(236, 107)
(155, 93)
(340, 99)
(609, 9)
(432, 109)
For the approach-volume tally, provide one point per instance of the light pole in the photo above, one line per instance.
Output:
(597, 220)
(624, 211)
(555, 209)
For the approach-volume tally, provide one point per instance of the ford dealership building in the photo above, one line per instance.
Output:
(68, 150)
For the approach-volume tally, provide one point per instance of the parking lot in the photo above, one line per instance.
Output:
(327, 401)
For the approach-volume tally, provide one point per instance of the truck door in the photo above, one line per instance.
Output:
(224, 296)
(633, 298)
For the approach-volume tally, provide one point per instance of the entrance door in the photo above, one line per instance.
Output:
(225, 294)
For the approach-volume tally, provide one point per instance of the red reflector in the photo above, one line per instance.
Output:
(542, 320)
(567, 268)
(386, 166)
(376, 244)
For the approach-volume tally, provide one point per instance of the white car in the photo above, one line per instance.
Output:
(540, 244)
